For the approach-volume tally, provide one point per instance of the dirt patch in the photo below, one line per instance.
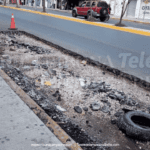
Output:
(52, 78)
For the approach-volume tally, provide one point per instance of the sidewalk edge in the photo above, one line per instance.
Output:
(130, 20)
(51, 124)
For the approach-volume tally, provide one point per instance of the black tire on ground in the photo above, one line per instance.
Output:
(74, 14)
(85, 17)
(136, 124)
(102, 19)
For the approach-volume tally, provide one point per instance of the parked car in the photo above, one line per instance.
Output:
(99, 9)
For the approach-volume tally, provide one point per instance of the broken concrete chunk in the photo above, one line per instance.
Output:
(60, 108)
(113, 121)
(44, 66)
(95, 106)
(82, 82)
(26, 67)
(59, 98)
(46, 73)
(105, 109)
(31, 93)
(84, 62)
(5, 56)
(34, 62)
(12, 49)
(131, 102)
(78, 109)
(104, 100)
(85, 108)
(51, 71)
(112, 96)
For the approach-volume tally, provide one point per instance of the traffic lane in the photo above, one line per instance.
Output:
(111, 21)
(80, 38)
(53, 11)
(106, 36)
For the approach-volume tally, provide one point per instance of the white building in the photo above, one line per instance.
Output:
(136, 8)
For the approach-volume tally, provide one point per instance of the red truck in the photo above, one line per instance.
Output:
(99, 9)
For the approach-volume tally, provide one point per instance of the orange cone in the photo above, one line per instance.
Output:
(12, 25)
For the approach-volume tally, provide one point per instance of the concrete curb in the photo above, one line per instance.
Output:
(51, 124)
(141, 83)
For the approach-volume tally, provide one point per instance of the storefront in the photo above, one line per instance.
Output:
(136, 8)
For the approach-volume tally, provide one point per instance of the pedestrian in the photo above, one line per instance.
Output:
(32, 2)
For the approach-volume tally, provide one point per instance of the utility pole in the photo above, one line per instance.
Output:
(60, 4)
(91, 7)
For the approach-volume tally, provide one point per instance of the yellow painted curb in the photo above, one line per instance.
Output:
(140, 32)
(50, 123)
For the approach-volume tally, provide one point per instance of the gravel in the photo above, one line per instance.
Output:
(95, 106)
(78, 109)
(79, 86)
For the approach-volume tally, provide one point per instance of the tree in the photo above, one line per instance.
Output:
(124, 8)
(44, 10)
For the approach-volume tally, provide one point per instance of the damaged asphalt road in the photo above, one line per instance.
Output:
(84, 100)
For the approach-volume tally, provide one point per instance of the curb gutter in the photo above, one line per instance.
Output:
(51, 124)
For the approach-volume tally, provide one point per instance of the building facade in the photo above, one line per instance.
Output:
(136, 8)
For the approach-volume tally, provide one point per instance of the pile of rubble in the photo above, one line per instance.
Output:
(65, 87)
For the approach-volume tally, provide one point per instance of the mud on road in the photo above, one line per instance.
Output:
(84, 100)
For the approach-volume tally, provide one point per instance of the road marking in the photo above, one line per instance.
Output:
(125, 29)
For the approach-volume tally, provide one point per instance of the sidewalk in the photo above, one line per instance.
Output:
(40, 8)
(145, 21)
(19, 126)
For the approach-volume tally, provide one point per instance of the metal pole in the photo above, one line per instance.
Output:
(91, 7)
(35, 4)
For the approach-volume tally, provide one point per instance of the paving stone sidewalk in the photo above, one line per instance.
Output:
(20, 127)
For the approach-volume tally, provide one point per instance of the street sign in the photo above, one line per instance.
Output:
(146, 1)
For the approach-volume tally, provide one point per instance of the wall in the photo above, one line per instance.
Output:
(144, 9)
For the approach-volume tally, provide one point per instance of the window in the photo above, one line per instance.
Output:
(93, 4)
(83, 4)
(88, 4)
